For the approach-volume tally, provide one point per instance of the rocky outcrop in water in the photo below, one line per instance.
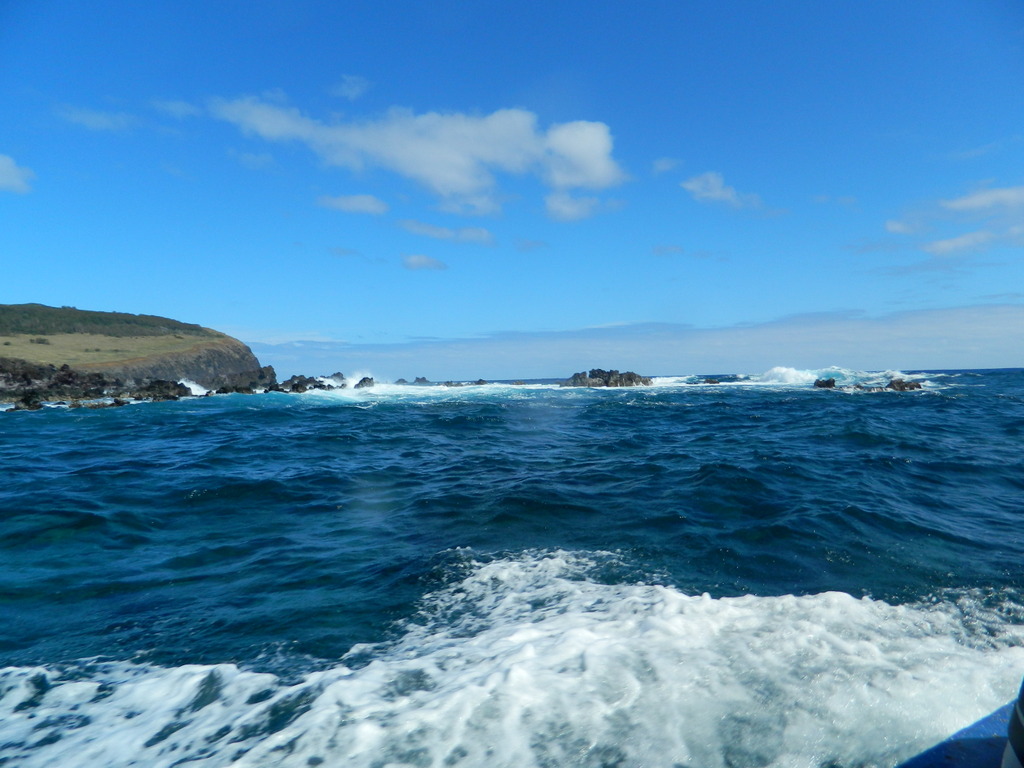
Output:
(598, 377)
(903, 386)
(896, 385)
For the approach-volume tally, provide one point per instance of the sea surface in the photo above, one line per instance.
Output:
(734, 575)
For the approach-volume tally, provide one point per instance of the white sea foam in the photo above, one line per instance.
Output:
(844, 377)
(527, 661)
(777, 377)
(198, 390)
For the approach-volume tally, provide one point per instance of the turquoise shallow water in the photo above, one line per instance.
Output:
(513, 575)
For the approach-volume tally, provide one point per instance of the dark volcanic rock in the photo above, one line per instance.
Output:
(601, 378)
(161, 389)
(364, 382)
(894, 385)
(337, 380)
(421, 381)
(211, 363)
(299, 383)
(30, 401)
(207, 357)
(901, 385)
(20, 378)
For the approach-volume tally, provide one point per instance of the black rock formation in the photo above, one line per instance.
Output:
(601, 378)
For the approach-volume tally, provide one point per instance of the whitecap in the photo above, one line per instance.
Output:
(531, 660)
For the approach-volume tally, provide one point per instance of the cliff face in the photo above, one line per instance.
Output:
(215, 363)
(68, 352)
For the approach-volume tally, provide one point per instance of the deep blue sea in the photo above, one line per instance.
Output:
(735, 575)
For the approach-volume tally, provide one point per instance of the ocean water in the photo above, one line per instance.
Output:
(744, 574)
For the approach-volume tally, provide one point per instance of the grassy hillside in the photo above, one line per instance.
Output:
(80, 348)
(40, 320)
(55, 336)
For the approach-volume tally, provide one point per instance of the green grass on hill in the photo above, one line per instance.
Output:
(79, 348)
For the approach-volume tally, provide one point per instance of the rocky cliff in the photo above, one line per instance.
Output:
(213, 363)
(48, 350)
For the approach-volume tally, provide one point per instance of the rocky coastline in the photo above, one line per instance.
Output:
(87, 359)
(28, 386)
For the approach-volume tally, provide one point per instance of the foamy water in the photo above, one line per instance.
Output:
(740, 574)
(528, 662)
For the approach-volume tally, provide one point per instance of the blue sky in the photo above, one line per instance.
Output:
(460, 190)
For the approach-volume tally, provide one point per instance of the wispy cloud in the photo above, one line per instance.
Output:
(254, 161)
(344, 252)
(663, 165)
(992, 217)
(454, 155)
(97, 120)
(562, 206)
(13, 177)
(526, 246)
(667, 250)
(986, 149)
(351, 87)
(971, 241)
(710, 187)
(987, 200)
(896, 227)
(417, 261)
(354, 204)
(477, 235)
(176, 109)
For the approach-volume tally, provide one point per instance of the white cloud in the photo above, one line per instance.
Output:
(14, 178)
(97, 120)
(1006, 197)
(565, 207)
(462, 235)
(711, 187)
(418, 261)
(968, 242)
(995, 218)
(579, 154)
(354, 204)
(176, 109)
(900, 227)
(351, 87)
(454, 155)
(663, 165)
